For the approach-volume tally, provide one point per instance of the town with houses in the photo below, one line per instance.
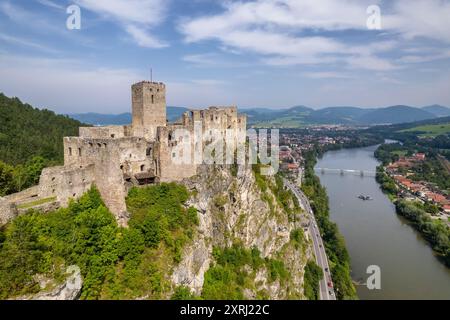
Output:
(421, 191)
(295, 143)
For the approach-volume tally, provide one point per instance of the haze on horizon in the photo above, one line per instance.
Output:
(259, 53)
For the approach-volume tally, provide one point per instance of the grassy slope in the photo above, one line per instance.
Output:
(430, 130)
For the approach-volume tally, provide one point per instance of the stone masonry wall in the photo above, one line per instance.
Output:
(7, 211)
(148, 108)
(66, 183)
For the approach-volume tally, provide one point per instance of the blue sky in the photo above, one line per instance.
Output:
(259, 53)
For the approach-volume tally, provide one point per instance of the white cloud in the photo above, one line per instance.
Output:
(326, 75)
(203, 59)
(73, 86)
(26, 43)
(147, 12)
(66, 86)
(144, 39)
(212, 59)
(51, 4)
(289, 32)
(25, 17)
(425, 58)
(371, 63)
(137, 17)
(270, 28)
(37, 22)
(420, 18)
(324, 14)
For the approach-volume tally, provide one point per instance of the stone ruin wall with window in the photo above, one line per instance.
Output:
(116, 158)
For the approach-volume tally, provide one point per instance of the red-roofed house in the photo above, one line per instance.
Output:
(420, 156)
(435, 197)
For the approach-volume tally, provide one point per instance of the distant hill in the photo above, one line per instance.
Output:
(438, 111)
(98, 119)
(338, 115)
(301, 116)
(26, 132)
(297, 116)
(395, 114)
(414, 131)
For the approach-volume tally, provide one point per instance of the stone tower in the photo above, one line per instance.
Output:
(149, 108)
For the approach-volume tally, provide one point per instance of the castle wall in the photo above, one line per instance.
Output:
(8, 211)
(170, 155)
(123, 151)
(65, 183)
(22, 195)
(214, 120)
(113, 160)
(103, 132)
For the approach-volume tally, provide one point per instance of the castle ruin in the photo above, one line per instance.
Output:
(116, 158)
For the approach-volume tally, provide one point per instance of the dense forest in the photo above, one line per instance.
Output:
(30, 140)
(435, 231)
(116, 263)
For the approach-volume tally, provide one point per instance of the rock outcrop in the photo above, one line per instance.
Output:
(69, 290)
(234, 209)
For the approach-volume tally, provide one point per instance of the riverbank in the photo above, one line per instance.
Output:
(334, 242)
(376, 235)
(435, 231)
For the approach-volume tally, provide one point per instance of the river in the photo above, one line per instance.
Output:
(376, 235)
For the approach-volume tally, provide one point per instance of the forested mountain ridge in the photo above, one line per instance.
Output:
(438, 111)
(26, 132)
(30, 140)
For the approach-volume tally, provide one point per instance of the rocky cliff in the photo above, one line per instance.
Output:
(238, 206)
(226, 233)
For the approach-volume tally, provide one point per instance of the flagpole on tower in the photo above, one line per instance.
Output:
(151, 74)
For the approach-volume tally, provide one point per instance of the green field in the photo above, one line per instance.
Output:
(400, 153)
(431, 130)
(286, 122)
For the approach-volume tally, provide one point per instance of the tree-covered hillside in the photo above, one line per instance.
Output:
(115, 262)
(26, 132)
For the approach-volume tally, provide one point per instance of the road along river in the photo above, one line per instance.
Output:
(376, 235)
